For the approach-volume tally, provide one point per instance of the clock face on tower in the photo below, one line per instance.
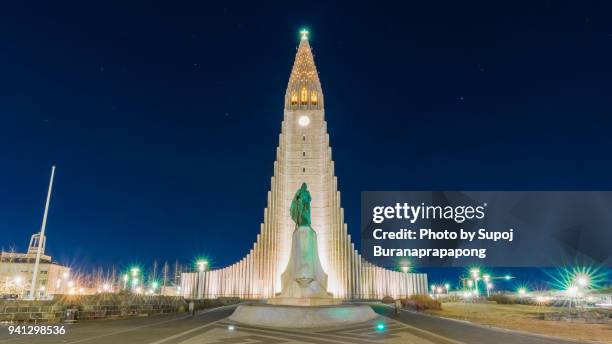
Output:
(303, 120)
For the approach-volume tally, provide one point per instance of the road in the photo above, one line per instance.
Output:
(210, 326)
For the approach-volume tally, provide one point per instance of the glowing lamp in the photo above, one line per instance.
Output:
(202, 264)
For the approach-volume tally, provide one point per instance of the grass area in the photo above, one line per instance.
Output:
(524, 318)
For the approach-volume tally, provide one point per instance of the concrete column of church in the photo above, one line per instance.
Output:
(376, 282)
(206, 284)
(349, 269)
(343, 261)
(371, 286)
(254, 266)
(213, 284)
(367, 280)
(242, 277)
(358, 275)
(380, 275)
(265, 256)
(338, 262)
(247, 282)
(226, 280)
(371, 274)
(347, 259)
(354, 271)
(250, 279)
(238, 275)
(349, 255)
(231, 281)
(336, 233)
(235, 279)
(397, 280)
(370, 282)
(389, 283)
(265, 249)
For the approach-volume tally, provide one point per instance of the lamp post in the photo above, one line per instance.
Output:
(476, 275)
(202, 266)
(134, 272)
(487, 281)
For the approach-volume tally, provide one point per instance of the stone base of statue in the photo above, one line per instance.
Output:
(304, 283)
(303, 301)
(302, 317)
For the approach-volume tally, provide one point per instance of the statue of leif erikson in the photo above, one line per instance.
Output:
(304, 283)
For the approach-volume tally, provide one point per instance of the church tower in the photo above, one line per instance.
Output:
(303, 155)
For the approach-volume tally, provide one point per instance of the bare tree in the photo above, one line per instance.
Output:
(165, 269)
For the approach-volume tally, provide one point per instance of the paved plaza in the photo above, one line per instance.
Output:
(212, 326)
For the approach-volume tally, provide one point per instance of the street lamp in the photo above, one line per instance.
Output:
(476, 275)
(202, 265)
(583, 280)
(487, 279)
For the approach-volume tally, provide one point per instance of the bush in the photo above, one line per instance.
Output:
(421, 303)
(504, 299)
(387, 299)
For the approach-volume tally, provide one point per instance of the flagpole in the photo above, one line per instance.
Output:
(41, 238)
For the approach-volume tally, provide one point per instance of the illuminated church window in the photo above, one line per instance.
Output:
(304, 96)
(313, 98)
(294, 99)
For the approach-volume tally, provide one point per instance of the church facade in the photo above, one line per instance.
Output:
(303, 155)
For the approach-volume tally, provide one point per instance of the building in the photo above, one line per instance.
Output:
(16, 270)
(303, 155)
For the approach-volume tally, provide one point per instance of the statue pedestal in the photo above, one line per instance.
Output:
(303, 283)
(302, 317)
(304, 301)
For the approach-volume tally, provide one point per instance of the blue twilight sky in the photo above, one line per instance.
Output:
(163, 119)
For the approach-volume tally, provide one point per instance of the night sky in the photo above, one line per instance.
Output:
(163, 120)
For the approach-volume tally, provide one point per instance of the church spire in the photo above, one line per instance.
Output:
(304, 88)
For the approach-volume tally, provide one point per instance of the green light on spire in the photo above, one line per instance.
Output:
(304, 33)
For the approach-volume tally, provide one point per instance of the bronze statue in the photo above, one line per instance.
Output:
(300, 207)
